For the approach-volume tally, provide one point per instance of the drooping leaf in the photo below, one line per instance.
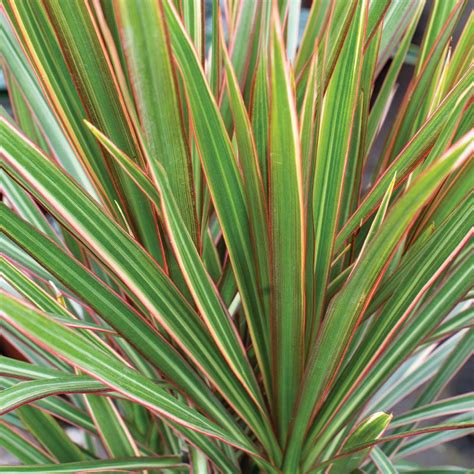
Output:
(117, 312)
(130, 383)
(26, 392)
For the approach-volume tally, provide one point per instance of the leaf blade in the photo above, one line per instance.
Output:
(286, 225)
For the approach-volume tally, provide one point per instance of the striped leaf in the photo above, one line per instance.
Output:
(153, 81)
(348, 307)
(105, 465)
(286, 237)
(334, 134)
(74, 348)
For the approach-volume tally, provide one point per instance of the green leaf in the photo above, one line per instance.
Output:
(382, 462)
(252, 179)
(438, 16)
(21, 113)
(417, 102)
(143, 277)
(405, 466)
(377, 12)
(38, 38)
(286, 238)
(204, 292)
(392, 357)
(349, 305)
(395, 23)
(336, 20)
(260, 116)
(460, 320)
(357, 158)
(380, 216)
(383, 100)
(131, 464)
(440, 379)
(445, 407)
(26, 207)
(45, 302)
(398, 311)
(459, 62)
(50, 434)
(244, 28)
(225, 184)
(415, 149)
(447, 430)
(21, 447)
(118, 314)
(406, 382)
(74, 348)
(26, 392)
(201, 221)
(368, 431)
(26, 286)
(24, 75)
(58, 407)
(153, 81)
(317, 19)
(334, 134)
(98, 89)
(211, 307)
(337, 34)
(309, 123)
(25, 370)
(137, 174)
(428, 440)
(111, 427)
(445, 238)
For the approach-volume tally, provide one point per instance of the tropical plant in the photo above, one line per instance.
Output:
(217, 255)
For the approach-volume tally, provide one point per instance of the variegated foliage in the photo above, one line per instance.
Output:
(234, 252)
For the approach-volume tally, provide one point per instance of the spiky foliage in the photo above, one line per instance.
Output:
(197, 273)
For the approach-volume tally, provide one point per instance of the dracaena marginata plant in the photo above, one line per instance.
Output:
(216, 254)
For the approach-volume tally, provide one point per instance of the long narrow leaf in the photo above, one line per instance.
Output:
(77, 350)
(286, 238)
(105, 465)
(337, 112)
(348, 307)
(26, 392)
